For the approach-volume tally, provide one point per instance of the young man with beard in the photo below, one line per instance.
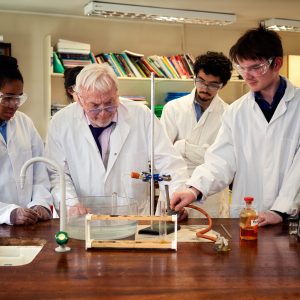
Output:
(193, 121)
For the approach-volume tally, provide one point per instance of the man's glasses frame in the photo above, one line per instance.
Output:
(98, 110)
(200, 83)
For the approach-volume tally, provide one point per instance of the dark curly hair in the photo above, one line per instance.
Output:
(9, 70)
(214, 63)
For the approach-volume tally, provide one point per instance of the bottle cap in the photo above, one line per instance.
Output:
(248, 199)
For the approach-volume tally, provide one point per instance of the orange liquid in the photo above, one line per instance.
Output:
(249, 233)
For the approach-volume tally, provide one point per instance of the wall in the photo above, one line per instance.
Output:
(26, 32)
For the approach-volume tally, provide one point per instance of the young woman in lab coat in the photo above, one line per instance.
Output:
(19, 141)
(193, 121)
(101, 165)
(259, 141)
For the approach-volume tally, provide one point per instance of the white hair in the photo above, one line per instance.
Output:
(97, 77)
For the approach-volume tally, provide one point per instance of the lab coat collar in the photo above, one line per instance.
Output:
(289, 95)
(83, 126)
(212, 105)
(119, 135)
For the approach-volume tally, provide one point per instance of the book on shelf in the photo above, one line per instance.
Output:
(131, 65)
(133, 53)
(125, 64)
(161, 65)
(118, 65)
(170, 67)
(66, 44)
(189, 60)
(57, 65)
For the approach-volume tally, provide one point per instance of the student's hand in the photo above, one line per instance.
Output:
(268, 217)
(23, 216)
(78, 210)
(183, 198)
(43, 213)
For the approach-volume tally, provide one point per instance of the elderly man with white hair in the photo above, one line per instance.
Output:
(101, 138)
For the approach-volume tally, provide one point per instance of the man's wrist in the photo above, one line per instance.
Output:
(195, 192)
(284, 216)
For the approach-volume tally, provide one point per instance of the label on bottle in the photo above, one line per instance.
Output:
(254, 222)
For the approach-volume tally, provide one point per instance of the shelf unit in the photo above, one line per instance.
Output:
(55, 93)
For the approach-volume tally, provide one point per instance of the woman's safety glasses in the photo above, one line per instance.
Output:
(10, 100)
(255, 70)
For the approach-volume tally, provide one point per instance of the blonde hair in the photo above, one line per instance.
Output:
(97, 77)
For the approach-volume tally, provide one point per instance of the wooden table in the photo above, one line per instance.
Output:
(266, 269)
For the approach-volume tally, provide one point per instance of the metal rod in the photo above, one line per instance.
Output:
(167, 197)
(152, 191)
(229, 235)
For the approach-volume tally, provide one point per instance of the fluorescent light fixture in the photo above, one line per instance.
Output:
(150, 13)
(282, 25)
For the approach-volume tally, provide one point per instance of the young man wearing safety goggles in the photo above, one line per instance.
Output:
(258, 145)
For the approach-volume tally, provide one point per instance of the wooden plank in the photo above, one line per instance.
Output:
(138, 218)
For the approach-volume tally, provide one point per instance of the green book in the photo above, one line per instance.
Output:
(57, 65)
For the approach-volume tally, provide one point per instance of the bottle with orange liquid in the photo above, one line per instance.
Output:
(248, 221)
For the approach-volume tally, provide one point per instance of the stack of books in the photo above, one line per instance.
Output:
(73, 54)
(130, 64)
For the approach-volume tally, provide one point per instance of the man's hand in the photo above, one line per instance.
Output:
(183, 214)
(183, 198)
(78, 210)
(268, 217)
(23, 216)
(43, 213)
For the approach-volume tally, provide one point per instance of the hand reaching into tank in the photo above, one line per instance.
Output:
(268, 217)
(23, 216)
(43, 213)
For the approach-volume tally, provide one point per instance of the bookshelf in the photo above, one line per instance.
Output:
(55, 94)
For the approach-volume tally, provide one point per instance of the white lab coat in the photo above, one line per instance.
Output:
(23, 143)
(72, 145)
(192, 139)
(263, 158)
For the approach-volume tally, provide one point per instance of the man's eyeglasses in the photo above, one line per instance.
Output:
(98, 110)
(255, 70)
(200, 83)
(8, 100)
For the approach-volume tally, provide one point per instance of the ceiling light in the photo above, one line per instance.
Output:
(150, 13)
(282, 25)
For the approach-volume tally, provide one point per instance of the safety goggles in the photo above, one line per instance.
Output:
(200, 83)
(8, 100)
(255, 70)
